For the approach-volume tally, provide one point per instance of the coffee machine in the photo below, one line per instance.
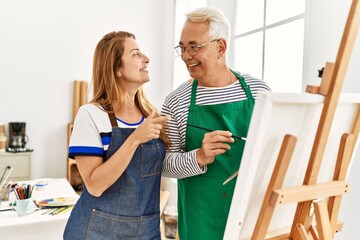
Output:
(17, 137)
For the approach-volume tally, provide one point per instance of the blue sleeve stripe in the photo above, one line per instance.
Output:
(85, 151)
(105, 140)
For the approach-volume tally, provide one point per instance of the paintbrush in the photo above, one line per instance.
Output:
(231, 177)
(210, 130)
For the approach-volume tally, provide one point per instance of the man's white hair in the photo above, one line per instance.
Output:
(219, 26)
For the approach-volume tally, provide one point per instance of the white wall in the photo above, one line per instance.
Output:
(46, 45)
(324, 31)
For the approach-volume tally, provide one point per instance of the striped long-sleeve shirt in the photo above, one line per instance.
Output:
(181, 164)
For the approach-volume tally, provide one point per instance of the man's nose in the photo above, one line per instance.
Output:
(185, 55)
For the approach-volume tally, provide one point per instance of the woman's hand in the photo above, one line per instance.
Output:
(149, 129)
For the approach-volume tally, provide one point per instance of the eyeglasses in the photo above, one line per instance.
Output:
(192, 49)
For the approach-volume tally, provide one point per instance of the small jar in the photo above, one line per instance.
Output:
(2, 143)
(171, 220)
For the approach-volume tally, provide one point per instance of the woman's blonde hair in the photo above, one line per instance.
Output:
(107, 86)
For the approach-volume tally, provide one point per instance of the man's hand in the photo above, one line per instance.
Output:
(213, 144)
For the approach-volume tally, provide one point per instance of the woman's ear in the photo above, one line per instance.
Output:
(118, 73)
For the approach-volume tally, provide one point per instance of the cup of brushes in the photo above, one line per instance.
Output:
(24, 204)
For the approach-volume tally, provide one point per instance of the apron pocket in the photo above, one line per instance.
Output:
(104, 225)
(152, 155)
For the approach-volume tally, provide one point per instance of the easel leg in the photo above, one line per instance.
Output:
(314, 233)
(276, 182)
(323, 221)
(302, 232)
(342, 164)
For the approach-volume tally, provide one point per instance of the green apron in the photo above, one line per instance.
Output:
(203, 200)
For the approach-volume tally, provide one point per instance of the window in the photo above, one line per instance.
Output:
(269, 40)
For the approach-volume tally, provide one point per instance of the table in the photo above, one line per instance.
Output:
(39, 224)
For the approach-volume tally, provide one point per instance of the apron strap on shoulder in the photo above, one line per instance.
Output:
(243, 84)
(112, 117)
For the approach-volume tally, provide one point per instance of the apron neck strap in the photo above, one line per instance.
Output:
(112, 117)
(193, 92)
(243, 84)
(238, 76)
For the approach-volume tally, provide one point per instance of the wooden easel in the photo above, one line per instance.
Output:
(311, 193)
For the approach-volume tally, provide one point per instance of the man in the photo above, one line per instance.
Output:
(210, 115)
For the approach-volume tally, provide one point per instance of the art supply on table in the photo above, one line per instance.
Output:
(210, 130)
(4, 195)
(41, 185)
(5, 175)
(24, 203)
(23, 192)
(57, 210)
(6, 209)
(49, 211)
(69, 208)
(23, 206)
(57, 202)
(62, 210)
(56, 206)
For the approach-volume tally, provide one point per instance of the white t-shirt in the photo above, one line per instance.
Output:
(91, 132)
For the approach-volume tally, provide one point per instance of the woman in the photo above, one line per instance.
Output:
(118, 152)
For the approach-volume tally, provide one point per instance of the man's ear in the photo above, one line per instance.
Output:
(222, 47)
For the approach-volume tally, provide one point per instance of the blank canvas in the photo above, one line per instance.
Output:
(274, 116)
